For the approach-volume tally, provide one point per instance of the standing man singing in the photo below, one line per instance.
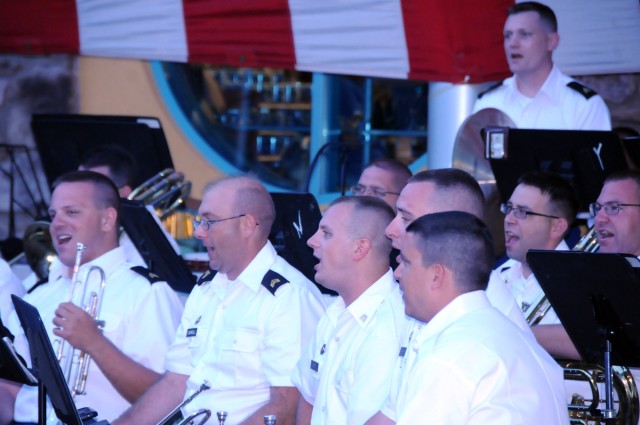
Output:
(539, 95)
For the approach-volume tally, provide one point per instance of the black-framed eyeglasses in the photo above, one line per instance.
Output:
(610, 208)
(520, 213)
(206, 224)
(359, 190)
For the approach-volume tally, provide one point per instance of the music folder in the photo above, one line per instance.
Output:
(45, 366)
(596, 298)
(154, 247)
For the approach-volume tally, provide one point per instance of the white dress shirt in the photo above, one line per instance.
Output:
(9, 284)
(555, 107)
(343, 372)
(470, 365)
(242, 338)
(140, 319)
(526, 291)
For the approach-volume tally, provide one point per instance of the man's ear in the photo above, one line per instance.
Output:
(362, 247)
(109, 219)
(553, 39)
(436, 276)
(559, 227)
(248, 223)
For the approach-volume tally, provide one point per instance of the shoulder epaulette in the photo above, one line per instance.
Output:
(148, 274)
(206, 277)
(587, 92)
(37, 284)
(272, 281)
(493, 87)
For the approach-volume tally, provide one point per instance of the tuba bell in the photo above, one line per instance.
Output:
(165, 191)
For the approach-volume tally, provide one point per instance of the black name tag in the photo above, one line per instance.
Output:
(403, 351)
(314, 366)
(192, 331)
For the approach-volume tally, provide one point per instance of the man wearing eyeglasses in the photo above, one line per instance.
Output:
(384, 179)
(617, 224)
(538, 215)
(244, 324)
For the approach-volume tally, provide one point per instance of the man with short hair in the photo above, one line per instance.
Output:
(468, 364)
(448, 189)
(538, 215)
(10, 284)
(361, 331)
(140, 313)
(244, 324)
(538, 95)
(617, 224)
(384, 179)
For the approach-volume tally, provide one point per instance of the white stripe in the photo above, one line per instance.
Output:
(597, 36)
(359, 37)
(145, 29)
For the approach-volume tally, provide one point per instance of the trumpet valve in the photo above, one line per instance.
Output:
(222, 416)
(270, 420)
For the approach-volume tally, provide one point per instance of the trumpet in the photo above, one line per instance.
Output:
(206, 413)
(75, 363)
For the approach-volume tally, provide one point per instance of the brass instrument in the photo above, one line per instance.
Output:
(37, 249)
(222, 416)
(189, 420)
(75, 363)
(270, 420)
(165, 191)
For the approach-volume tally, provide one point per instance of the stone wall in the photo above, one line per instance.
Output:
(622, 94)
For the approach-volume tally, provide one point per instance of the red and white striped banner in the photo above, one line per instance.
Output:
(436, 40)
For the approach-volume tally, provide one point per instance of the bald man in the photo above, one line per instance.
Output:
(246, 321)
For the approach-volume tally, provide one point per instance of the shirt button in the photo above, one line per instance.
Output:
(336, 339)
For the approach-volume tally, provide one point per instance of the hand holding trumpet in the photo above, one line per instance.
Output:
(77, 327)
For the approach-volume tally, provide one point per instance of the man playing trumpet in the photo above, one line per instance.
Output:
(140, 314)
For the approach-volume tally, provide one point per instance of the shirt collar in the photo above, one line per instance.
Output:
(552, 85)
(252, 275)
(460, 306)
(511, 271)
(364, 307)
(106, 262)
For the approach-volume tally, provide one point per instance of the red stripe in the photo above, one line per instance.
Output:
(455, 40)
(240, 33)
(35, 27)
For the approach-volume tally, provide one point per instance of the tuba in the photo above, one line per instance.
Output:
(165, 191)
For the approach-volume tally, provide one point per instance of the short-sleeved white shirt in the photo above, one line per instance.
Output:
(555, 107)
(243, 338)
(526, 291)
(470, 365)
(140, 319)
(343, 372)
(9, 284)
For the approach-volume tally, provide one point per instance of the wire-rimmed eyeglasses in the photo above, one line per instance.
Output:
(360, 189)
(206, 224)
(610, 208)
(520, 213)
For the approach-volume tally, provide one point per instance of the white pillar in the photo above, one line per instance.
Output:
(449, 105)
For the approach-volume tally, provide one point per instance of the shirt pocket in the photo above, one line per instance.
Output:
(241, 358)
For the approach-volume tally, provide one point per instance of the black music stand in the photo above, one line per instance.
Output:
(297, 218)
(595, 297)
(154, 247)
(45, 366)
(64, 139)
(585, 158)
